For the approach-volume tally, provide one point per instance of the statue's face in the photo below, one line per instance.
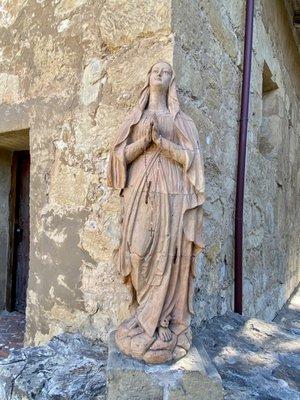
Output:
(160, 76)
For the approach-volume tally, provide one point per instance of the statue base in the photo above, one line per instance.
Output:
(137, 343)
(192, 377)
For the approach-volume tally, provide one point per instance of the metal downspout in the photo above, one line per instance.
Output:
(239, 206)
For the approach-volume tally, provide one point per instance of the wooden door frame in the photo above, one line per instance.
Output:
(11, 268)
(12, 212)
(16, 119)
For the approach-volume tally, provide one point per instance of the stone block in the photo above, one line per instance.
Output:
(192, 377)
(122, 22)
(9, 88)
(66, 6)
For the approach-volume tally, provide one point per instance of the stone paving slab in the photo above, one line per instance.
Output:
(256, 359)
(69, 367)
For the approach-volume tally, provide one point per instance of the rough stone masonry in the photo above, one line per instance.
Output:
(70, 70)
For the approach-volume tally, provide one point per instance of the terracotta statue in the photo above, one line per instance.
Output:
(157, 164)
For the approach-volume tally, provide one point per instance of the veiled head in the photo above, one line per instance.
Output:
(161, 75)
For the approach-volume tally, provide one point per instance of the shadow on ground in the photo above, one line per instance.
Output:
(256, 359)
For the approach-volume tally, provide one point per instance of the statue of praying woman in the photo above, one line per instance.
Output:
(157, 164)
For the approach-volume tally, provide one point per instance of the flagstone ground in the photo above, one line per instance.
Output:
(256, 359)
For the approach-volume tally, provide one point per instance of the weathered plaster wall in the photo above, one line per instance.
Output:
(75, 68)
(5, 177)
(71, 70)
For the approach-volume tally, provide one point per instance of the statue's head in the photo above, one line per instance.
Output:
(161, 77)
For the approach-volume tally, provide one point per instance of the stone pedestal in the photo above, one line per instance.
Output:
(192, 377)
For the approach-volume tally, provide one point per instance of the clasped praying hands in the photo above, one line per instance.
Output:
(152, 134)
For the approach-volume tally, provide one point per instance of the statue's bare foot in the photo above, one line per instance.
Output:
(164, 334)
(134, 323)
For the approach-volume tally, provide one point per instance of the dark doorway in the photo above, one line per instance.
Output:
(19, 232)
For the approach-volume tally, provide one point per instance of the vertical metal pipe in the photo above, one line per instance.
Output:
(239, 206)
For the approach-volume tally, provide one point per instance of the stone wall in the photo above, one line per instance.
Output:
(70, 70)
(272, 231)
(5, 172)
(208, 55)
(207, 59)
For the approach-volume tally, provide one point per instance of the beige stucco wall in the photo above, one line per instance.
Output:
(5, 182)
(71, 70)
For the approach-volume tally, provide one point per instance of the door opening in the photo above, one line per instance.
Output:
(19, 232)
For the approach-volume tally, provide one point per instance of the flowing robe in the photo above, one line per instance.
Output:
(163, 190)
